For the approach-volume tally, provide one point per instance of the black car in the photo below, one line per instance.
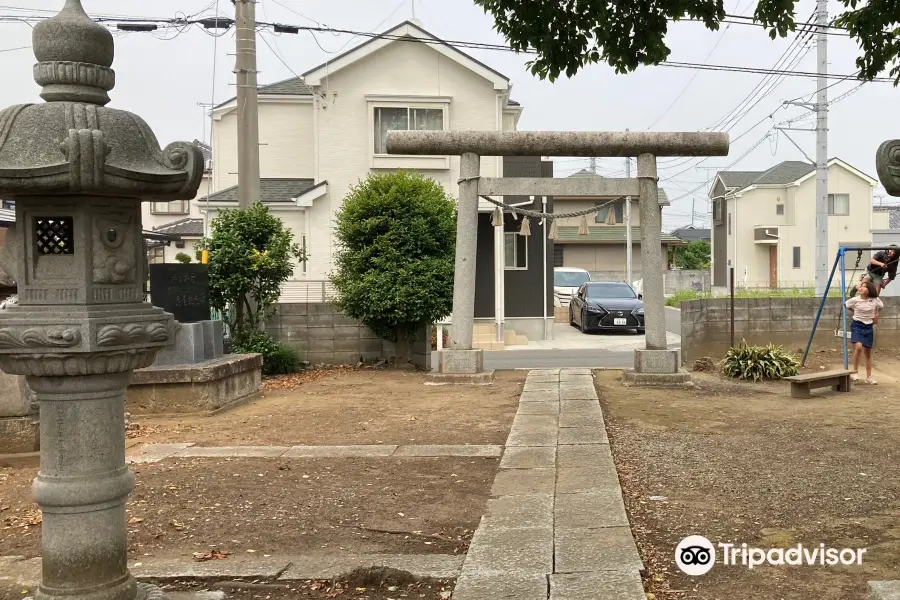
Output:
(606, 306)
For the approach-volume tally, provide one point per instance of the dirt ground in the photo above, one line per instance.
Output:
(747, 463)
(355, 407)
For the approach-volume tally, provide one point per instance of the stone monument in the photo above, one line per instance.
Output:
(78, 172)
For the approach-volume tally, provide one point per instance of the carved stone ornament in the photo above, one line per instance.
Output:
(887, 164)
(114, 246)
(116, 335)
(73, 365)
(36, 337)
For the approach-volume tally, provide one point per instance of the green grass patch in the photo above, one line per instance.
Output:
(688, 295)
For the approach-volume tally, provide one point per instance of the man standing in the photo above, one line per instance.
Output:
(882, 268)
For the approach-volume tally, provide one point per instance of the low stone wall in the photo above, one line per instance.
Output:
(203, 388)
(18, 416)
(706, 324)
(327, 336)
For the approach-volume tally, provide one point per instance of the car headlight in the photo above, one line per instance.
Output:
(596, 309)
(638, 311)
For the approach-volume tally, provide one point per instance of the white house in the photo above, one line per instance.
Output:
(322, 133)
(764, 222)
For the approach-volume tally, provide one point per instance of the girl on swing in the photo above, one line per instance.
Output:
(865, 308)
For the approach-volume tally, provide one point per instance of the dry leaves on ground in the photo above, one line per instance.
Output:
(295, 380)
(211, 555)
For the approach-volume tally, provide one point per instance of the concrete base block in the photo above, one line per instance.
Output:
(187, 348)
(679, 379)
(884, 590)
(657, 361)
(482, 378)
(452, 362)
(18, 434)
(213, 339)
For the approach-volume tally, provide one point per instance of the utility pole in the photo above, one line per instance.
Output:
(822, 148)
(693, 210)
(593, 165)
(247, 103)
(628, 273)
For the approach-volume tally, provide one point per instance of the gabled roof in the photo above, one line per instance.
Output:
(204, 149)
(415, 33)
(271, 191)
(788, 172)
(184, 227)
(288, 87)
(691, 234)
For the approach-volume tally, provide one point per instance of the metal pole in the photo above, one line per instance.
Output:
(545, 242)
(731, 293)
(247, 103)
(628, 241)
(842, 254)
(822, 147)
(812, 333)
(466, 248)
(651, 254)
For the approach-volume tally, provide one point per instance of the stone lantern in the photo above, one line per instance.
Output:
(78, 172)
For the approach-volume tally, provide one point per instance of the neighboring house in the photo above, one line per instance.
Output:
(692, 234)
(179, 217)
(602, 251)
(763, 222)
(323, 133)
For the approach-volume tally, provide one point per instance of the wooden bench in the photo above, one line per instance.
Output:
(802, 385)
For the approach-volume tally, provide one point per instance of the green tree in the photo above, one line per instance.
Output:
(395, 259)
(695, 256)
(250, 255)
(567, 36)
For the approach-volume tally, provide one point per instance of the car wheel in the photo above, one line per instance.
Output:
(641, 331)
(571, 317)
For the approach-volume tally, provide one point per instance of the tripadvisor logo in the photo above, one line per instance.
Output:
(695, 555)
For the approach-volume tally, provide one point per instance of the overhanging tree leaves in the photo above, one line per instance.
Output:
(567, 35)
(250, 255)
(395, 260)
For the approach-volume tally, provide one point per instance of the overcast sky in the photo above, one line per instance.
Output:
(163, 80)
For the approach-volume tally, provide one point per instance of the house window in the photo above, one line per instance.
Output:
(729, 223)
(558, 254)
(156, 255)
(611, 215)
(779, 209)
(515, 249)
(717, 210)
(796, 257)
(404, 119)
(176, 207)
(839, 204)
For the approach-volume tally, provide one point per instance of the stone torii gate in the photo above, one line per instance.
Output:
(654, 365)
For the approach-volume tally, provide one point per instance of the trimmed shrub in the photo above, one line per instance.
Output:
(183, 258)
(759, 363)
(278, 359)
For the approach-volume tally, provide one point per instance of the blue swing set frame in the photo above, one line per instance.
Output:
(839, 261)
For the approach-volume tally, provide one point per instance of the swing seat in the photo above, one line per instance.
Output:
(802, 385)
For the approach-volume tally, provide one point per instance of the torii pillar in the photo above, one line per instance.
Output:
(78, 172)
(656, 364)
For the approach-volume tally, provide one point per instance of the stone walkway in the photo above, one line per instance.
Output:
(150, 453)
(556, 527)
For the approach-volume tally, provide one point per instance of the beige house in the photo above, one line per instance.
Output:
(602, 250)
(181, 218)
(763, 222)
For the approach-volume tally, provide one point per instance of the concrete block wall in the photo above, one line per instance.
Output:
(325, 335)
(706, 324)
(673, 280)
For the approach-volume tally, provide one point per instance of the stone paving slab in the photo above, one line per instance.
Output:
(884, 590)
(585, 480)
(582, 435)
(576, 391)
(538, 408)
(233, 452)
(593, 509)
(577, 419)
(23, 571)
(216, 595)
(542, 379)
(543, 437)
(529, 457)
(596, 550)
(580, 407)
(316, 566)
(540, 396)
(597, 586)
(474, 586)
(517, 482)
(572, 373)
(541, 386)
(512, 512)
(585, 455)
(151, 453)
(487, 451)
(361, 451)
(543, 373)
(533, 423)
(166, 569)
(519, 551)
